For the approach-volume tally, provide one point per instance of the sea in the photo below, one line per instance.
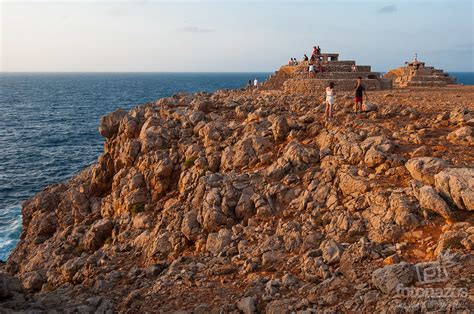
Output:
(48, 125)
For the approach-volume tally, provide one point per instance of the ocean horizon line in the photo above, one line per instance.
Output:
(171, 72)
(130, 72)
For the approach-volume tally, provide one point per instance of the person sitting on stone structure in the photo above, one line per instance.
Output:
(305, 58)
(353, 68)
(319, 66)
(311, 70)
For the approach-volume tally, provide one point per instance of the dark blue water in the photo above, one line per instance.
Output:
(466, 78)
(48, 126)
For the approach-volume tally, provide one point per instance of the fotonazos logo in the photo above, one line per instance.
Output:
(437, 271)
(433, 273)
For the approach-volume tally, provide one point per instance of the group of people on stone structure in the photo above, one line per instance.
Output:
(293, 61)
(359, 90)
(315, 65)
(316, 52)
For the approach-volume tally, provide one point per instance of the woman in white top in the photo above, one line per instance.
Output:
(311, 70)
(330, 101)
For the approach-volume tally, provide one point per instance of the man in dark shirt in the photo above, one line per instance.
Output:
(359, 92)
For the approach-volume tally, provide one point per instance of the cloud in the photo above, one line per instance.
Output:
(195, 29)
(388, 9)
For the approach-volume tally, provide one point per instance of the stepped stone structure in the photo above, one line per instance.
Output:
(296, 79)
(416, 74)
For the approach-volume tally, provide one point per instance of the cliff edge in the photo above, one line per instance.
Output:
(246, 201)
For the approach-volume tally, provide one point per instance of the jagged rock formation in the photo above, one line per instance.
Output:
(416, 74)
(295, 78)
(245, 201)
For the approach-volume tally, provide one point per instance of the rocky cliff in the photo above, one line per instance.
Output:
(246, 201)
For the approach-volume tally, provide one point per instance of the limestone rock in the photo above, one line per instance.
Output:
(109, 124)
(332, 251)
(430, 200)
(463, 135)
(368, 106)
(278, 307)
(280, 128)
(217, 242)
(97, 234)
(351, 184)
(424, 168)
(457, 186)
(387, 278)
(247, 305)
(33, 281)
(8, 286)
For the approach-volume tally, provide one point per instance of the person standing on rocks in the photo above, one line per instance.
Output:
(255, 83)
(359, 92)
(330, 101)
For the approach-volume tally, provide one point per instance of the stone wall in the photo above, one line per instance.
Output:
(317, 86)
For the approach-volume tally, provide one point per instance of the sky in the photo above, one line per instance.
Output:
(230, 36)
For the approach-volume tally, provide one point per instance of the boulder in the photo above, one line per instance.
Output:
(457, 186)
(278, 307)
(464, 134)
(387, 278)
(368, 106)
(350, 184)
(280, 128)
(8, 286)
(247, 305)
(424, 168)
(217, 242)
(449, 240)
(430, 200)
(33, 280)
(271, 257)
(109, 124)
(190, 226)
(97, 234)
(374, 157)
(332, 251)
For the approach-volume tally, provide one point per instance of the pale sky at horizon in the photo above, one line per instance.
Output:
(230, 36)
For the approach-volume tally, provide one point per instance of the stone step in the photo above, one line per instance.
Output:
(431, 78)
(346, 68)
(426, 84)
(314, 86)
(341, 62)
(340, 75)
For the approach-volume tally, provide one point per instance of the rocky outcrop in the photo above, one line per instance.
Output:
(247, 201)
